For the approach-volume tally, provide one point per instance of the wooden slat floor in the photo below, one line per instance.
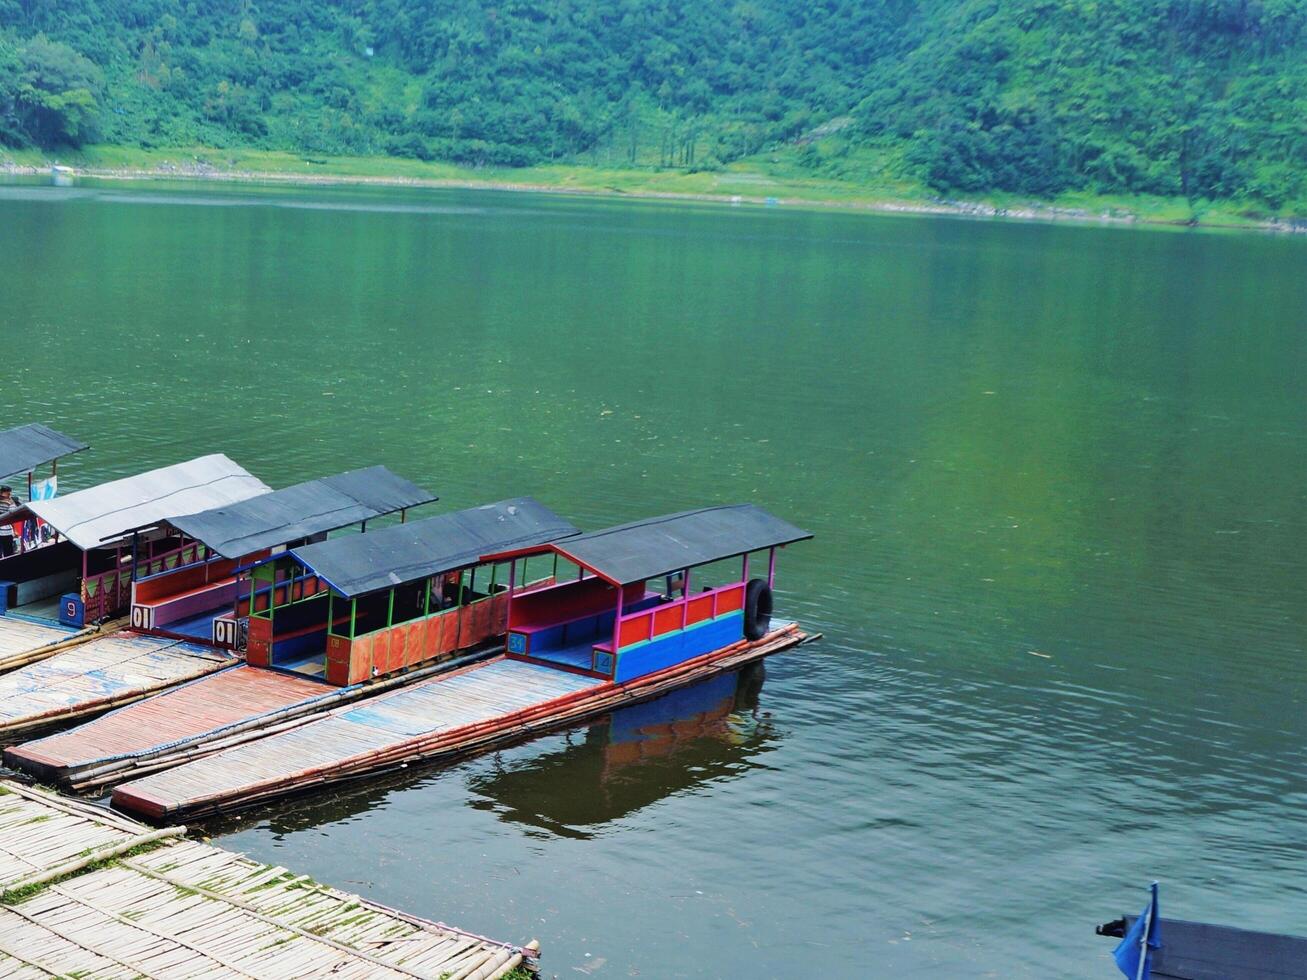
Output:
(187, 910)
(101, 672)
(37, 837)
(196, 708)
(477, 694)
(22, 639)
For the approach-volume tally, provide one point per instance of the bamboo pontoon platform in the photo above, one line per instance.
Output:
(195, 719)
(87, 893)
(25, 641)
(98, 675)
(452, 714)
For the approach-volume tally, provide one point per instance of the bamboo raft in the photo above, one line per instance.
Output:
(95, 676)
(24, 641)
(453, 714)
(86, 893)
(195, 719)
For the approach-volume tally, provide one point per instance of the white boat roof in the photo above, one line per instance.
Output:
(100, 516)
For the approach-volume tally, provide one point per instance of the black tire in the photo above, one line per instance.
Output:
(757, 609)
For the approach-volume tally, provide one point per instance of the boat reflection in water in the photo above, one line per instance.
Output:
(620, 763)
(634, 757)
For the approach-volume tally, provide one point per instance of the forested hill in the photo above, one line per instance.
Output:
(1201, 98)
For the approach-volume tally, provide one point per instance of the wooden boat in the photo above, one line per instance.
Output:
(190, 574)
(575, 648)
(181, 574)
(29, 607)
(84, 576)
(329, 622)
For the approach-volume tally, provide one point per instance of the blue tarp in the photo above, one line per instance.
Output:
(1133, 947)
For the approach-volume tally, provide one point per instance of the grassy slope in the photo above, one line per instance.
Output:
(864, 183)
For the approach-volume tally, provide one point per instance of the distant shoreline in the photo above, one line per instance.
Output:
(871, 203)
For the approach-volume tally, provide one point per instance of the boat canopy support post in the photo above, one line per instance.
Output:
(771, 568)
(617, 628)
(512, 581)
(685, 598)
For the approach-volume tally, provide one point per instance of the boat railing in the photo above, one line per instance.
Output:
(170, 561)
(106, 592)
(669, 617)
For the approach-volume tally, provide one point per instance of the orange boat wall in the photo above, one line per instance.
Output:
(408, 644)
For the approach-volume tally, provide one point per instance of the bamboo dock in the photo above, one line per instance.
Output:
(25, 641)
(87, 893)
(195, 719)
(98, 675)
(449, 715)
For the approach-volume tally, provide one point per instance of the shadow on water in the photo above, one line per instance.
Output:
(622, 762)
(634, 757)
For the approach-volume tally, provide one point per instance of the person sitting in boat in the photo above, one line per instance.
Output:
(8, 503)
(444, 591)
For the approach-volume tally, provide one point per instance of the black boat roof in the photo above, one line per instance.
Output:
(25, 447)
(301, 511)
(657, 546)
(357, 564)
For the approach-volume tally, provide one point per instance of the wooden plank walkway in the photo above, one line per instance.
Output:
(217, 702)
(23, 641)
(197, 718)
(97, 675)
(189, 910)
(451, 714)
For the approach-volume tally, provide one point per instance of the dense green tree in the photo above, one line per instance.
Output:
(1202, 98)
(47, 93)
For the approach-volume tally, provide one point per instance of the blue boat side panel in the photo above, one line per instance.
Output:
(675, 648)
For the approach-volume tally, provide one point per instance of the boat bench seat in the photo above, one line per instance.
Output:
(192, 602)
(531, 627)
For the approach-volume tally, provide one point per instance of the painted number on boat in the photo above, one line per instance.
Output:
(143, 617)
(224, 633)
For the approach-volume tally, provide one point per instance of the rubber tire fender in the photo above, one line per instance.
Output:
(757, 609)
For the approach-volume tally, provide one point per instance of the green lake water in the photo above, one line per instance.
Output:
(1057, 477)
